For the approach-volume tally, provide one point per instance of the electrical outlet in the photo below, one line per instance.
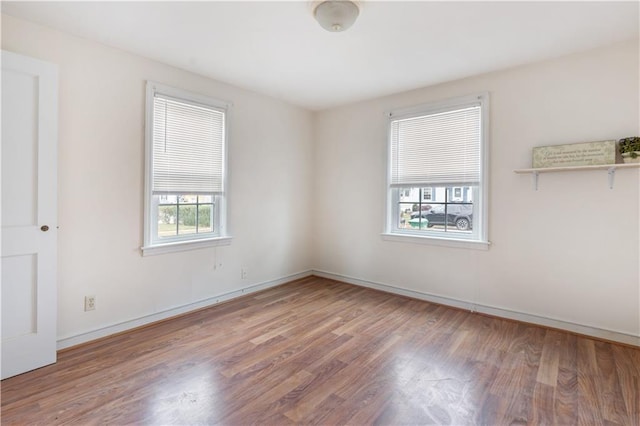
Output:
(243, 273)
(89, 303)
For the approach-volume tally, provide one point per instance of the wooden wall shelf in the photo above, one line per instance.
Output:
(610, 168)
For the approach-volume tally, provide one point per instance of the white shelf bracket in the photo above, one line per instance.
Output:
(612, 174)
(534, 175)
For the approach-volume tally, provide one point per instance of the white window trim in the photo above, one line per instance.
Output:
(391, 231)
(194, 241)
(436, 241)
(185, 245)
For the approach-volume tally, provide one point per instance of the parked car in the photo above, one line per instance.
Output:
(458, 215)
(423, 215)
(423, 207)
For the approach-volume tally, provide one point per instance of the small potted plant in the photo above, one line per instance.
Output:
(630, 149)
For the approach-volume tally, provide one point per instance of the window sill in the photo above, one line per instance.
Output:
(185, 245)
(435, 241)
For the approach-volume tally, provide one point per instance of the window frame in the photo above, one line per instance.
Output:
(152, 245)
(478, 239)
(215, 200)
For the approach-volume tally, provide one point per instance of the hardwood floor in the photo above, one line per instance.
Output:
(317, 351)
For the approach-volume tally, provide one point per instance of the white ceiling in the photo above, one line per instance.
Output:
(278, 49)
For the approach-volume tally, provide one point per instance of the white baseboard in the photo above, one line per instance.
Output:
(599, 333)
(78, 339)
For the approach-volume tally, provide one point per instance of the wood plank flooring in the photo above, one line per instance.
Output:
(318, 351)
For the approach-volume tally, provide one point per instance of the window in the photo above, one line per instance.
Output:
(426, 194)
(438, 155)
(457, 193)
(186, 137)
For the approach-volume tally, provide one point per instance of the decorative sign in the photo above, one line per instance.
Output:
(575, 154)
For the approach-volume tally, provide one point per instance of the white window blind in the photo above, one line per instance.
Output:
(437, 149)
(188, 147)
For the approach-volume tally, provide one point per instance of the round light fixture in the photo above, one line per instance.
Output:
(336, 15)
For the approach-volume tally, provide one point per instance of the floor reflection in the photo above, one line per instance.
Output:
(188, 397)
(430, 389)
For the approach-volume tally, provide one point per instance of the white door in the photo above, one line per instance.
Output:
(29, 216)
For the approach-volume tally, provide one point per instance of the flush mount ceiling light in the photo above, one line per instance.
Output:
(335, 15)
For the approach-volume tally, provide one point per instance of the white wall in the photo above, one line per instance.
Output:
(569, 251)
(101, 172)
(307, 191)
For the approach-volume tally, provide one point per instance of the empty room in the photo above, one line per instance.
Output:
(320, 212)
